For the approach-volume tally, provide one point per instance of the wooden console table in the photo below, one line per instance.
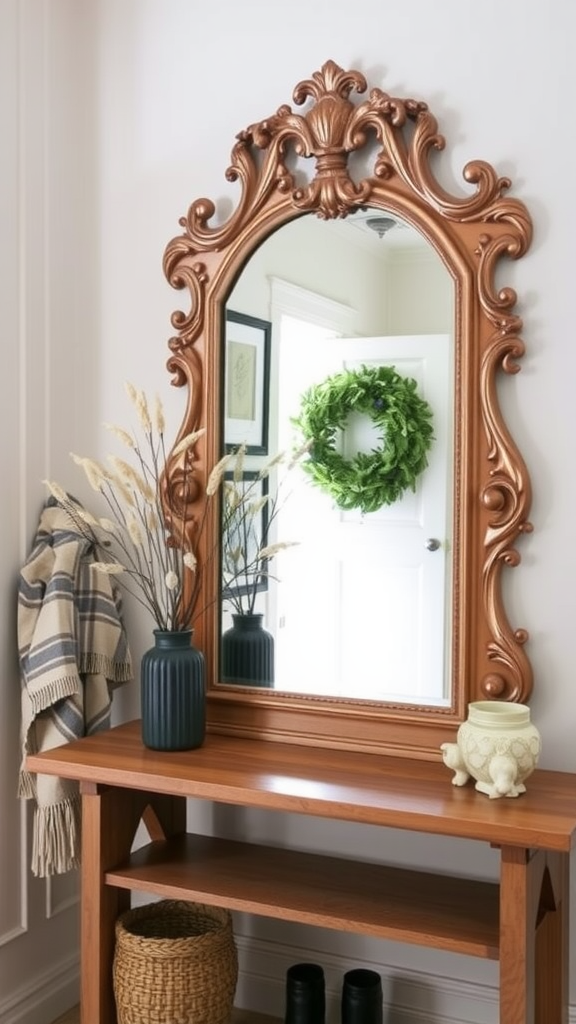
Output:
(522, 920)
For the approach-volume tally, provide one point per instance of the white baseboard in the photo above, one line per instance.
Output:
(44, 998)
(409, 998)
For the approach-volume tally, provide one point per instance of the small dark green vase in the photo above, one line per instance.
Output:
(362, 997)
(173, 693)
(305, 994)
(248, 652)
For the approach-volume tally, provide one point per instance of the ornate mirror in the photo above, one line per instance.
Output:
(328, 171)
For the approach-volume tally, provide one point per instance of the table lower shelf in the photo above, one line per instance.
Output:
(456, 914)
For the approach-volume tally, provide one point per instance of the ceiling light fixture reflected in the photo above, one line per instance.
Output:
(381, 225)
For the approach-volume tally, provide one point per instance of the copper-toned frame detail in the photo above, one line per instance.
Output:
(492, 489)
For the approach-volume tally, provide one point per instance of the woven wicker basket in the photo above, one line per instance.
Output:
(175, 963)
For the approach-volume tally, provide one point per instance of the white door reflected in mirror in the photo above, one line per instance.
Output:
(361, 604)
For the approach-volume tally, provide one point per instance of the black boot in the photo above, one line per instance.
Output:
(305, 994)
(362, 997)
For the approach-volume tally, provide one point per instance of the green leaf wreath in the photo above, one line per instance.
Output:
(375, 478)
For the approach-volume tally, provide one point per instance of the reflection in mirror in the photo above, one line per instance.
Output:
(359, 604)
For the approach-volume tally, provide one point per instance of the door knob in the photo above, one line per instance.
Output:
(432, 544)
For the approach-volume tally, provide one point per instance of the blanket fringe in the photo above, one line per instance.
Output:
(99, 664)
(26, 788)
(56, 838)
(49, 693)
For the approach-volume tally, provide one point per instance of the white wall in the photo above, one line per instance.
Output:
(46, 407)
(115, 115)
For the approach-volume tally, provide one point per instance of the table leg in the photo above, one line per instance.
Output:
(552, 943)
(110, 818)
(533, 937)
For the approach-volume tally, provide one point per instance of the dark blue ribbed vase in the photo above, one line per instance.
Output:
(248, 652)
(173, 693)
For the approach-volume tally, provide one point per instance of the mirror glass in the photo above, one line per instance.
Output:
(318, 298)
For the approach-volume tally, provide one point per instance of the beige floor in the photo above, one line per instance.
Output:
(240, 1017)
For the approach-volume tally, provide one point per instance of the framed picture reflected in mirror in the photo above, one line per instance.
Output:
(247, 382)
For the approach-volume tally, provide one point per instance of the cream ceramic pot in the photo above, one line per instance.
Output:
(497, 745)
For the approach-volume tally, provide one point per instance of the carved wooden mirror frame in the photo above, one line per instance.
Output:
(300, 163)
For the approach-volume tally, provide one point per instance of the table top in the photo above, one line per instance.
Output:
(366, 788)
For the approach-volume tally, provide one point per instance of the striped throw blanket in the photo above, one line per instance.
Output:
(73, 651)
